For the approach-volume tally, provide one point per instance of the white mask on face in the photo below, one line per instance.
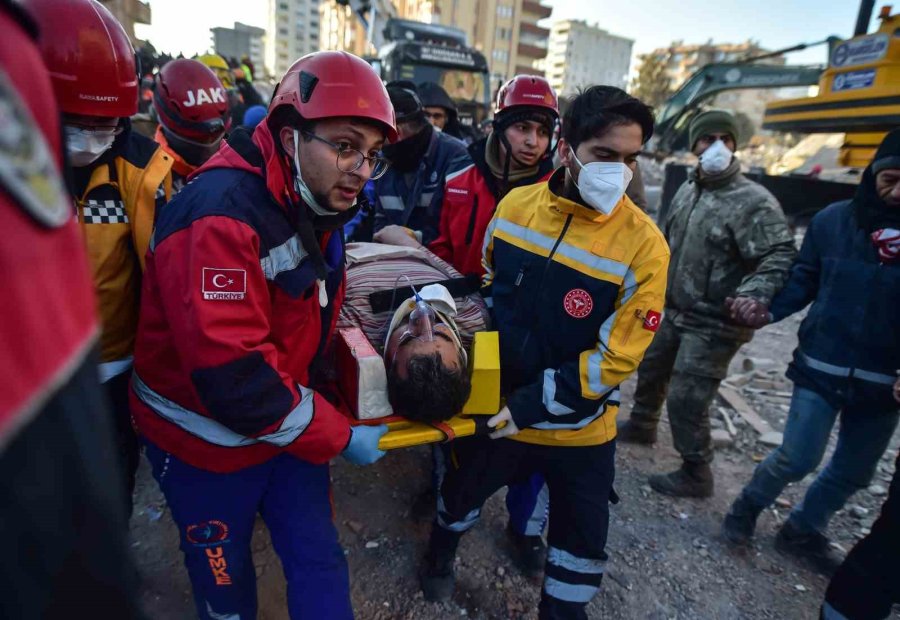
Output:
(602, 183)
(300, 185)
(86, 146)
(716, 158)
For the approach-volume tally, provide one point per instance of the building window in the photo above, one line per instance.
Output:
(504, 10)
(500, 55)
(283, 6)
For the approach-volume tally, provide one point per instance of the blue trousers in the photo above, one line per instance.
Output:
(862, 439)
(215, 514)
(528, 502)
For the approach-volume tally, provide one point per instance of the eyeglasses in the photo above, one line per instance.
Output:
(351, 160)
(437, 116)
(99, 130)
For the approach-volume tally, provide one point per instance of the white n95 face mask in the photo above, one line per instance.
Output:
(602, 183)
(716, 158)
(85, 146)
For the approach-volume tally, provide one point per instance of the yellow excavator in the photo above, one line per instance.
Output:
(858, 96)
(859, 92)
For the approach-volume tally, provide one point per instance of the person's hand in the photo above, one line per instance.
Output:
(363, 446)
(396, 235)
(896, 389)
(748, 311)
(500, 418)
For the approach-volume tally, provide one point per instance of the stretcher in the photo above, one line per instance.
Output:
(363, 382)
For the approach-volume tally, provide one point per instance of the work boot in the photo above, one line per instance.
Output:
(629, 432)
(810, 546)
(690, 480)
(529, 552)
(740, 522)
(438, 579)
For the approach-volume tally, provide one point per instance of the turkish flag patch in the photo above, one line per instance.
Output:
(224, 284)
(651, 320)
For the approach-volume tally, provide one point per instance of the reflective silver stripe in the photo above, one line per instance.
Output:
(465, 524)
(453, 175)
(538, 518)
(595, 361)
(585, 257)
(613, 398)
(283, 257)
(108, 370)
(550, 403)
(566, 560)
(842, 371)
(569, 592)
(425, 199)
(391, 203)
(213, 432)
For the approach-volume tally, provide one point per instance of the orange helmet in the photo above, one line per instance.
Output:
(330, 84)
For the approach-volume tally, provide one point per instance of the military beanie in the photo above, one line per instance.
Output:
(712, 121)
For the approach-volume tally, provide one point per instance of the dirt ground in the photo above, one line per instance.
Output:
(667, 560)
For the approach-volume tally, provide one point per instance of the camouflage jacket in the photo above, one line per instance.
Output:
(728, 237)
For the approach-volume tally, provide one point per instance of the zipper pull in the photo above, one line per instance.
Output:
(323, 293)
(519, 277)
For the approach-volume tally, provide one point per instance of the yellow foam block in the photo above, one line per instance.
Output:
(484, 367)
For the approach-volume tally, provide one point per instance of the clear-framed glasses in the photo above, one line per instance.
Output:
(95, 130)
(351, 160)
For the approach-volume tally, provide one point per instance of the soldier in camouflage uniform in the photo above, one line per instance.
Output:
(731, 252)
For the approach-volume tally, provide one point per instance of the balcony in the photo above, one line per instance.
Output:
(525, 70)
(537, 9)
(142, 13)
(534, 30)
(531, 51)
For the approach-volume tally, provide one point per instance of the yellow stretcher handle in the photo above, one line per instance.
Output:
(405, 434)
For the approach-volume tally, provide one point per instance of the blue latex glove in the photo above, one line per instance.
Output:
(363, 446)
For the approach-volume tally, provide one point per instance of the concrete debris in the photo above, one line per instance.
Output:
(858, 511)
(772, 438)
(739, 404)
(877, 490)
(729, 425)
(721, 438)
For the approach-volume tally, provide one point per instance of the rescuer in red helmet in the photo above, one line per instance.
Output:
(119, 176)
(243, 285)
(192, 108)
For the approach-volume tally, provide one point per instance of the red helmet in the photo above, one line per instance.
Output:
(527, 90)
(329, 84)
(190, 101)
(91, 61)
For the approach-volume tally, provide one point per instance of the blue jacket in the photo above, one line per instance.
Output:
(413, 199)
(850, 339)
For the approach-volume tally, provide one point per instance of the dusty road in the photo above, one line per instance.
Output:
(666, 558)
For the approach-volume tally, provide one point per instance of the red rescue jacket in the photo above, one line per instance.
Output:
(231, 320)
(470, 199)
(48, 321)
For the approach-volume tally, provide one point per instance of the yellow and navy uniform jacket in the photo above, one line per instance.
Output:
(577, 297)
(116, 205)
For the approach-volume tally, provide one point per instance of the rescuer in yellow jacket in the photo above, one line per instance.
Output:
(577, 278)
